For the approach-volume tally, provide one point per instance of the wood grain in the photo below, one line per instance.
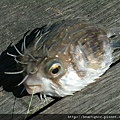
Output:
(17, 17)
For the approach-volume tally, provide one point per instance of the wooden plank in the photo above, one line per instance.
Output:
(20, 16)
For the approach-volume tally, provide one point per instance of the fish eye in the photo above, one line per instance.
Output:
(55, 69)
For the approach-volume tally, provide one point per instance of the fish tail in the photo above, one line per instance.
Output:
(114, 35)
(115, 44)
(116, 49)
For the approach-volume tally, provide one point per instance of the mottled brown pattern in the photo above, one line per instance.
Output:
(58, 39)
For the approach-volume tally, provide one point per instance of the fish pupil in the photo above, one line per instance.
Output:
(55, 71)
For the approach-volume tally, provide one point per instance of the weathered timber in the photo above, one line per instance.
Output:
(17, 17)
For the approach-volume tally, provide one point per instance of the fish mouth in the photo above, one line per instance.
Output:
(33, 89)
(33, 84)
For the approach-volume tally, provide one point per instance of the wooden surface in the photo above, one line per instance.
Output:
(17, 17)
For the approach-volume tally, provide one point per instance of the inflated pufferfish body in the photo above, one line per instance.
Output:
(66, 58)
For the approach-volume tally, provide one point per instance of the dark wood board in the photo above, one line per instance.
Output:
(17, 17)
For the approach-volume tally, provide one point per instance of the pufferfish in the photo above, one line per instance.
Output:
(68, 56)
